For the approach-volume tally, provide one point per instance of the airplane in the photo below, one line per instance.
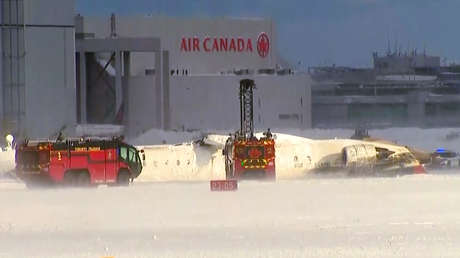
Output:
(296, 158)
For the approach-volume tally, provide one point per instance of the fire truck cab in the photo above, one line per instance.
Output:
(78, 162)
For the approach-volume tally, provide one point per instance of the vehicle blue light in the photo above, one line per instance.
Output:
(440, 150)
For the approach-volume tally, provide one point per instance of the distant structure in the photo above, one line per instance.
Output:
(402, 89)
(406, 64)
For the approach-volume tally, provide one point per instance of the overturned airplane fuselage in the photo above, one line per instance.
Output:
(296, 158)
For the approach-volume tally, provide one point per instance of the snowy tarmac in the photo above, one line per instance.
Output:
(410, 216)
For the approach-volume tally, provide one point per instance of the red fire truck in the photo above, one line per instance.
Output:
(247, 156)
(78, 162)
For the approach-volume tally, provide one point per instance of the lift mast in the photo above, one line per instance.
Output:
(246, 109)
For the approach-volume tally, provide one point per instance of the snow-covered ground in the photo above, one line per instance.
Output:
(410, 216)
(414, 216)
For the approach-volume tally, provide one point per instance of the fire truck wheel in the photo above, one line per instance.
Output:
(83, 179)
(123, 178)
(70, 178)
(38, 183)
(31, 185)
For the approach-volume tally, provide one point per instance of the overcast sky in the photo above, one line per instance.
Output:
(323, 32)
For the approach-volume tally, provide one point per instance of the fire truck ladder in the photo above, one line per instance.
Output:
(247, 108)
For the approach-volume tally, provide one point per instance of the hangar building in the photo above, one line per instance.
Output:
(189, 79)
(60, 69)
(37, 71)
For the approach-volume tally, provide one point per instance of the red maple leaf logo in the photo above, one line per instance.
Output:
(254, 153)
(263, 45)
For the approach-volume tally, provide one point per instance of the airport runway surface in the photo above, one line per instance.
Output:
(411, 216)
